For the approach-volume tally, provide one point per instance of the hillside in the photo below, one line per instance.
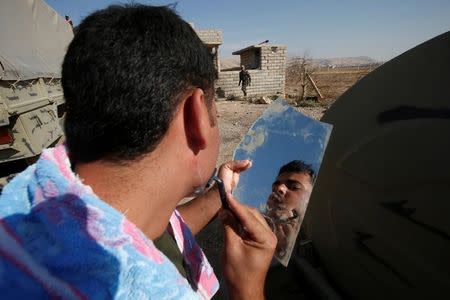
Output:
(344, 61)
(233, 61)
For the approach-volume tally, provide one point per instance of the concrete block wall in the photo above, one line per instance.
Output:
(210, 36)
(251, 59)
(264, 82)
(265, 63)
(273, 58)
(269, 80)
(214, 50)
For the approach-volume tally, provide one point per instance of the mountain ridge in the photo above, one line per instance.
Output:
(233, 61)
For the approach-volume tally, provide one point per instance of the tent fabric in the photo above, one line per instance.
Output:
(33, 40)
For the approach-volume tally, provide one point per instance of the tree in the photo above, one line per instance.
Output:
(297, 70)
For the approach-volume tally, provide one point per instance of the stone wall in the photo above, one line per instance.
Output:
(273, 58)
(210, 36)
(265, 63)
(269, 80)
(251, 59)
(264, 82)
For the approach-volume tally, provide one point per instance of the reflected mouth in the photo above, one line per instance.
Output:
(276, 202)
(277, 208)
(275, 220)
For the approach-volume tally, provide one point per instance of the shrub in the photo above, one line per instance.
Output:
(309, 103)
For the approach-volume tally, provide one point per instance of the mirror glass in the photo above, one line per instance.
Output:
(286, 148)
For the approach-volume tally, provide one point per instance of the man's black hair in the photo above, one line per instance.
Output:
(297, 166)
(123, 75)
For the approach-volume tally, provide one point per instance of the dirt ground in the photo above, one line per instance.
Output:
(331, 83)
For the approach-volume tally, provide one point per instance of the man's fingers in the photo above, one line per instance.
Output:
(229, 172)
(256, 230)
(238, 165)
(260, 218)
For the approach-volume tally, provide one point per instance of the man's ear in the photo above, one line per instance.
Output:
(196, 120)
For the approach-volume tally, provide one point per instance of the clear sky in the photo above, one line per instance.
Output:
(381, 29)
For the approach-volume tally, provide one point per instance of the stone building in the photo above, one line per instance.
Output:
(266, 64)
(212, 39)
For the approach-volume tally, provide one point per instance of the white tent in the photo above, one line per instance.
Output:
(33, 40)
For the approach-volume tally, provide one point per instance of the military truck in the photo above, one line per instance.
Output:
(33, 41)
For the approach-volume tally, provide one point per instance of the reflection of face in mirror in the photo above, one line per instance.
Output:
(287, 203)
(279, 138)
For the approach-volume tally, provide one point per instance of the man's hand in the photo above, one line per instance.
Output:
(284, 233)
(248, 250)
(229, 173)
(199, 211)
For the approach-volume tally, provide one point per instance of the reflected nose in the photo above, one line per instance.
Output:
(280, 189)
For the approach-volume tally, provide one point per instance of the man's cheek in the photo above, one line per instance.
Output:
(289, 199)
(301, 199)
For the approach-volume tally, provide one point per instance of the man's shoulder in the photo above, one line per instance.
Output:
(118, 258)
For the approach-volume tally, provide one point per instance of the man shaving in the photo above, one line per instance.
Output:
(286, 205)
(141, 134)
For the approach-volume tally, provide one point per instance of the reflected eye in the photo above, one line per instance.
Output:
(294, 186)
(290, 185)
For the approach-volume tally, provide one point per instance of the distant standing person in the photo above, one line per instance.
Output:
(245, 79)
